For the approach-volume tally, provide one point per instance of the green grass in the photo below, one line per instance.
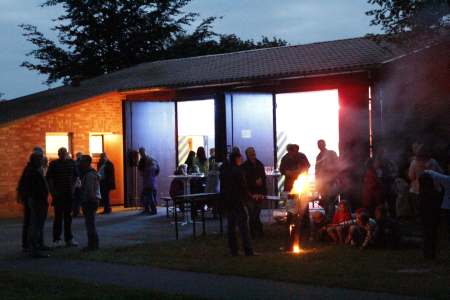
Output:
(396, 271)
(27, 286)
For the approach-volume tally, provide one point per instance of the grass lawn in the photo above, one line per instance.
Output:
(397, 271)
(26, 286)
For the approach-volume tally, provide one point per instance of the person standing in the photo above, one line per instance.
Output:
(21, 199)
(293, 164)
(430, 201)
(212, 158)
(105, 170)
(421, 162)
(76, 192)
(255, 176)
(326, 171)
(235, 195)
(61, 177)
(34, 193)
(149, 169)
(90, 197)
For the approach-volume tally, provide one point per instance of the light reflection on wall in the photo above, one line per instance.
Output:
(304, 118)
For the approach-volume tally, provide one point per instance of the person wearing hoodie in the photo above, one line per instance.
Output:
(90, 197)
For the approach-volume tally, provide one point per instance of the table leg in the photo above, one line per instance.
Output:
(203, 220)
(193, 221)
(176, 219)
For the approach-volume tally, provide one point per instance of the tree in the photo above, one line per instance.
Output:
(99, 37)
(417, 17)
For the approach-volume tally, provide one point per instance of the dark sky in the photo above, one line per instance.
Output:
(297, 21)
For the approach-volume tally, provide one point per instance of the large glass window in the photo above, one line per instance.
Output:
(152, 125)
(252, 124)
(56, 140)
(195, 127)
(304, 118)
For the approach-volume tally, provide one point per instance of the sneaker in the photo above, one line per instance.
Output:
(58, 244)
(71, 243)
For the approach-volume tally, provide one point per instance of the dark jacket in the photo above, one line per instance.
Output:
(33, 187)
(61, 176)
(234, 188)
(252, 173)
(107, 175)
(297, 163)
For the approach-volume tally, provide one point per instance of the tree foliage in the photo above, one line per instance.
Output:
(99, 37)
(413, 16)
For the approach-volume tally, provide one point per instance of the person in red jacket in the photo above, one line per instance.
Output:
(336, 230)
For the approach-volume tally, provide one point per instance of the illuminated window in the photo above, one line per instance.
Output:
(56, 140)
(96, 144)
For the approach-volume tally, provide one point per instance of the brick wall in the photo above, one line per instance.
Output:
(17, 139)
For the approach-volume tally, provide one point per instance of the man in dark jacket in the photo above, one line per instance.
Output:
(255, 177)
(61, 176)
(34, 192)
(235, 195)
(22, 200)
(105, 170)
(293, 164)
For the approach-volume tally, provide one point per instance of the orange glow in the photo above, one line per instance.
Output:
(296, 248)
(302, 185)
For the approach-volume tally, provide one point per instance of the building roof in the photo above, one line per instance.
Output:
(270, 63)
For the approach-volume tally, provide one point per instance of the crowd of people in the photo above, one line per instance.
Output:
(73, 185)
(385, 198)
(387, 195)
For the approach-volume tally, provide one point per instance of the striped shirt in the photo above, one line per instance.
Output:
(61, 175)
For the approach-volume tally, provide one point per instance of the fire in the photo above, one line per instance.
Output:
(301, 185)
(296, 248)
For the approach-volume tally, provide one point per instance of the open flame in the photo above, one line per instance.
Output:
(301, 185)
(296, 248)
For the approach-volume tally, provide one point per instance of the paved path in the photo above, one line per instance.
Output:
(122, 228)
(208, 286)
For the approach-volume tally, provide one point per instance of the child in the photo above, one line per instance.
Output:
(387, 233)
(318, 226)
(361, 233)
(337, 227)
(177, 184)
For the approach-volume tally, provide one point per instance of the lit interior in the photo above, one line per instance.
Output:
(54, 141)
(96, 144)
(304, 118)
(195, 126)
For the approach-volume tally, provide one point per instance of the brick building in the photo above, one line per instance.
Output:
(142, 106)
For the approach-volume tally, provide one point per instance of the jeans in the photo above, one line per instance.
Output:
(63, 212)
(104, 191)
(26, 226)
(149, 199)
(254, 212)
(89, 212)
(239, 217)
(38, 214)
